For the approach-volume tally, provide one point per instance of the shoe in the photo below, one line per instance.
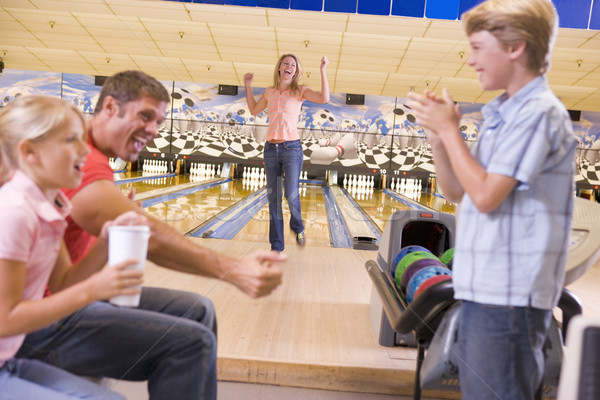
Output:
(301, 238)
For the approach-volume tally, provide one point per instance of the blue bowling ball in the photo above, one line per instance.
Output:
(420, 277)
(403, 252)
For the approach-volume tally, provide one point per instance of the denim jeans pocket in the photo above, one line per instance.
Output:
(292, 145)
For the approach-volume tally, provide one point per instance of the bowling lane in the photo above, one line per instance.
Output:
(378, 205)
(153, 184)
(314, 214)
(437, 202)
(187, 212)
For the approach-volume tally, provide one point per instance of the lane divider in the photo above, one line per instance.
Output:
(230, 221)
(338, 230)
(367, 220)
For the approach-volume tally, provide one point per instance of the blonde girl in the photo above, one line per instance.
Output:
(42, 149)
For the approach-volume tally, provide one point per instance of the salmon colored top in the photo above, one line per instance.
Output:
(284, 110)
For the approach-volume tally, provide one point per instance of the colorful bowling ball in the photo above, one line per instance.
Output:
(408, 259)
(430, 282)
(413, 268)
(422, 276)
(403, 252)
(447, 257)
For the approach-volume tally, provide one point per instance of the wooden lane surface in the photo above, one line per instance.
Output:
(437, 203)
(313, 331)
(380, 207)
(187, 212)
(314, 215)
(154, 184)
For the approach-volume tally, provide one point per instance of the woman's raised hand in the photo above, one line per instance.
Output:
(324, 62)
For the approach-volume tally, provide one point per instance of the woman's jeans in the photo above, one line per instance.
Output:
(501, 351)
(286, 158)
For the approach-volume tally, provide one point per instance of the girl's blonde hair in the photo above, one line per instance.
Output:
(511, 21)
(31, 118)
(295, 85)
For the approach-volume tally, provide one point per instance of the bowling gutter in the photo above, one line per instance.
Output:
(338, 230)
(230, 221)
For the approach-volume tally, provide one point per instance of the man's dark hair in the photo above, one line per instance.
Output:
(128, 86)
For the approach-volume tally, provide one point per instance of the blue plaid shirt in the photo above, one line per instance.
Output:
(516, 254)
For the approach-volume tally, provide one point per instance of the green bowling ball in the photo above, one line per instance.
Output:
(409, 259)
(447, 257)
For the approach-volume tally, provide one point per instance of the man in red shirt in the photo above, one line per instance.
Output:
(170, 339)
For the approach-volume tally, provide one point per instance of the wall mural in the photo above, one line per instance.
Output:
(381, 134)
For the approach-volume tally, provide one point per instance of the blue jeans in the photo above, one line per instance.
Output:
(501, 351)
(32, 379)
(169, 340)
(286, 157)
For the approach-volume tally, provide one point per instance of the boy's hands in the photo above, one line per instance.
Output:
(436, 114)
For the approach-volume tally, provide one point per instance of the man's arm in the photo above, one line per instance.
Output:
(101, 201)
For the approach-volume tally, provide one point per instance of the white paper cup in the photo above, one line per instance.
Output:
(128, 243)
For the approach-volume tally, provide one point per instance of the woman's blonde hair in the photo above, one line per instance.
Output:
(295, 85)
(31, 118)
(511, 21)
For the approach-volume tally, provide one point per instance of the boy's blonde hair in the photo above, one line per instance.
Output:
(511, 21)
(295, 85)
(31, 118)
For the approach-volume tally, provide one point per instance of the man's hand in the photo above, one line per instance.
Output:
(127, 218)
(257, 274)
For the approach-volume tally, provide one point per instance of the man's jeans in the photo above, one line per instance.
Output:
(169, 340)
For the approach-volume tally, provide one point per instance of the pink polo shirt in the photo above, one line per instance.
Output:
(32, 230)
(284, 111)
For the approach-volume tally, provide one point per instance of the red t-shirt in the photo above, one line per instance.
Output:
(77, 240)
